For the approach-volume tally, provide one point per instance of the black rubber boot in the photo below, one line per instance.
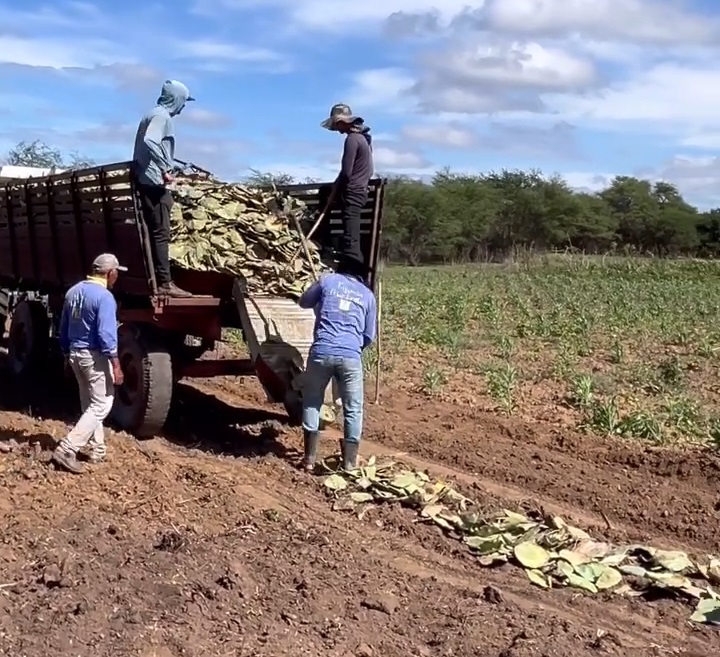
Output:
(350, 456)
(311, 440)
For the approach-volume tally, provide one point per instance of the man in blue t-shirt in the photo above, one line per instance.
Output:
(345, 324)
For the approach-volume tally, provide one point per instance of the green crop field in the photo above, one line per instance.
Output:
(616, 346)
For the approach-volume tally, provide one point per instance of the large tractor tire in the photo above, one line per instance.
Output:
(142, 402)
(29, 338)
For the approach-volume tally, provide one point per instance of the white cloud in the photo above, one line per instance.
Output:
(470, 79)
(126, 77)
(78, 36)
(669, 94)
(523, 64)
(514, 76)
(387, 89)
(489, 79)
(209, 55)
(57, 52)
(446, 135)
(390, 158)
(324, 15)
(209, 49)
(650, 21)
(523, 141)
(72, 15)
(696, 177)
(397, 159)
(661, 80)
(703, 140)
(585, 181)
(206, 118)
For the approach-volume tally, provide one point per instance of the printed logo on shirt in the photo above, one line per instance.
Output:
(76, 307)
(347, 297)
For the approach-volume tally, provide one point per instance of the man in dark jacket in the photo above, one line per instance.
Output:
(154, 164)
(351, 185)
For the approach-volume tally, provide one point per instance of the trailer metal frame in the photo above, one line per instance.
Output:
(51, 228)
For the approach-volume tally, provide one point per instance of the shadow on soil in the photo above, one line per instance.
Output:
(12, 439)
(201, 421)
(47, 395)
(197, 420)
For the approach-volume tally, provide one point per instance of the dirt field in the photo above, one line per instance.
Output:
(208, 541)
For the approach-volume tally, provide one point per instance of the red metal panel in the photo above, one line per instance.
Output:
(52, 228)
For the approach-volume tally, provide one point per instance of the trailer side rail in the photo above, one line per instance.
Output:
(315, 196)
(52, 227)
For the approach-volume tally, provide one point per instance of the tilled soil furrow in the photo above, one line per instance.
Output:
(212, 543)
(168, 550)
(636, 625)
(623, 490)
(651, 492)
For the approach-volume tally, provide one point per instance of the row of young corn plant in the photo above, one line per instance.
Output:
(632, 345)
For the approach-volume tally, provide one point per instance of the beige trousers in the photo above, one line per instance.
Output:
(94, 375)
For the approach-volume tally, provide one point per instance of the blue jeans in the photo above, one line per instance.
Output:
(348, 373)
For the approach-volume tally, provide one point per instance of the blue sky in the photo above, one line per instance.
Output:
(584, 88)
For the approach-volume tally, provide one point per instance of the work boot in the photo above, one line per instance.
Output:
(67, 461)
(172, 290)
(311, 440)
(95, 458)
(350, 456)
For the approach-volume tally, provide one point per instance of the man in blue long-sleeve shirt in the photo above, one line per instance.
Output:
(345, 324)
(89, 341)
(154, 164)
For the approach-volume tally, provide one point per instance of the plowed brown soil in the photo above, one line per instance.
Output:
(208, 541)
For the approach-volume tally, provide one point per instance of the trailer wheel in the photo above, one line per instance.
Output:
(142, 402)
(29, 338)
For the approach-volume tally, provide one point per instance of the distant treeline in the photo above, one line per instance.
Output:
(461, 218)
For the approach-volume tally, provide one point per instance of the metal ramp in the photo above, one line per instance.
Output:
(279, 335)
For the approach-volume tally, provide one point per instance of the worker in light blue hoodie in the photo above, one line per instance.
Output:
(154, 164)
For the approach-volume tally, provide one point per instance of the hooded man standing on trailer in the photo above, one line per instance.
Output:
(345, 325)
(89, 341)
(154, 164)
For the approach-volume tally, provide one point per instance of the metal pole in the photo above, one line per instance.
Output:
(379, 342)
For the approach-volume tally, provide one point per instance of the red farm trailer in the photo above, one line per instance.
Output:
(52, 227)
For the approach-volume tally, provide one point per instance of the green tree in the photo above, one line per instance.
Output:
(34, 154)
(268, 179)
(39, 154)
(460, 218)
(469, 218)
(76, 161)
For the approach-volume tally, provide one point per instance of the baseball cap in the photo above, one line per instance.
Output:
(106, 262)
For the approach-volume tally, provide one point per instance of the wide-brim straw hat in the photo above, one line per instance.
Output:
(339, 113)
